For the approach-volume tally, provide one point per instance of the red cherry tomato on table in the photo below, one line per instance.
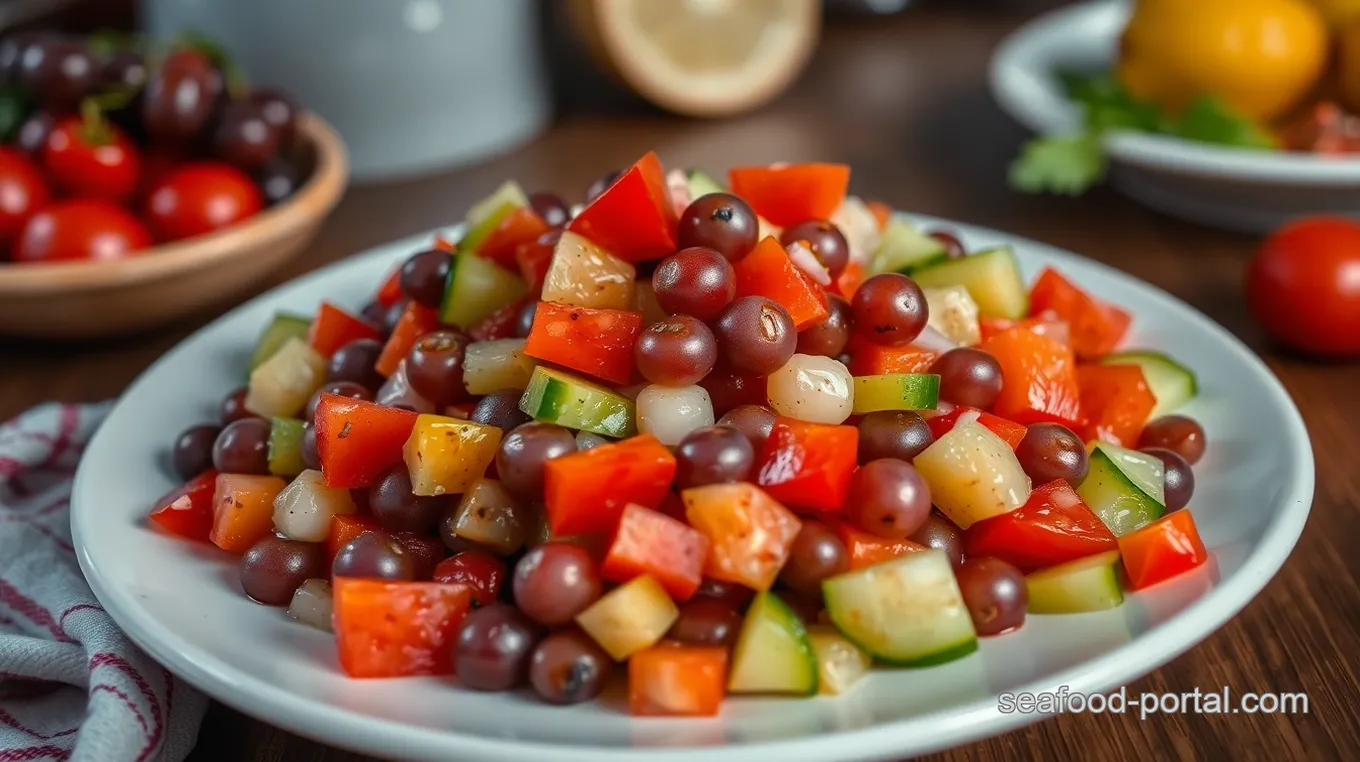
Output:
(82, 228)
(199, 198)
(1303, 286)
(22, 192)
(92, 160)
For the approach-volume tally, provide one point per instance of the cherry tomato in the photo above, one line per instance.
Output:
(82, 228)
(22, 192)
(199, 198)
(94, 160)
(1303, 286)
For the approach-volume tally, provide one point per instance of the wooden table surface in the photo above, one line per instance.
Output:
(905, 102)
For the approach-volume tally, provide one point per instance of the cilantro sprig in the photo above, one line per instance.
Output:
(1070, 164)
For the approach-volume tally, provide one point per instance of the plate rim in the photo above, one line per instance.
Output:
(962, 723)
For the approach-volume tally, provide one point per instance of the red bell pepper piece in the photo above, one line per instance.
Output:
(1009, 431)
(243, 510)
(358, 440)
(749, 534)
(1116, 401)
(519, 226)
(1097, 327)
(790, 193)
(1045, 323)
(1053, 527)
(499, 324)
(346, 527)
(650, 542)
(187, 510)
(767, 271)
(444, 244)
(882, 213)
(673, 679)
(481, 571)
(850, 279)
(390, 292)
(533, 259)
(1161, 550)
(807, 466)
(1040, 378)
(415, 321)
(865, 549)
(397, 629)
(870, 359)
(634, 218)
(598, 342)
(334, 328)
(586, 492)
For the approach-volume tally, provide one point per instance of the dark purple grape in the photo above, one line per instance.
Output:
(756, 334)
(829, 336)
(556, 581)
(59, 71)
(279, 179)
(234, 406)
(720, 221)
(338, 388)
(495, 644)
(193, 450)
(901, 434)
(275, 567)
(33, 133)
(524, 322)
(355, 362)
(1178, 433)
(806, 607)
(731, 594)
(375, 314)
(889, 309)
(243, 447)
(123, 70)
(1178, 479)
(180, 96)
(995, 594)
(753, 421)
(424, 277)
(435, 367)
(713, 455)
(523, 453)
(968, 376)
(941, 533)
(677, 351)
(12, 49)
(500, 409)
(887, 497)
(374, 555)
(398, 509)
(730, 388)
(425, 551)
(311, 458)
(550, 208)
(279, 111)
(602, 184)
(568, 667)
(706, 622)
(953, 247)
(825, 240)
(244, 137)
(393, 316)
(1052, 451)
(816, 554)
(697, 281)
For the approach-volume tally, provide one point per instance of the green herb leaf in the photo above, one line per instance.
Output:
(15, 107)
(1208, 120)
(1063, 165)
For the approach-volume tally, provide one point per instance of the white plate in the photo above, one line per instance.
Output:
(1239, 189)
(183, 605)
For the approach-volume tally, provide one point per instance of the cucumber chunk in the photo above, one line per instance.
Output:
(283, 327)
(700, 184)
(896, 391)
(476, 289)
(285, 447)
(904, 249)
(907, 611)
(1086, 584)
(567, 400)
(1124, 487)
(840, 663)
(486, 214)
(773, 653)
(1171, 383)
(992, 278)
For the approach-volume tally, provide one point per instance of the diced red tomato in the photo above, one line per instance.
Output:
(1116, 401)
(870, 359)
(749, 533)
(1040, 378)
(1045, 323)
(519, 226)
(397, 629)
(865, 549)
(481, 571)
(1009, 431)
(767, 271)
(243, 510)
(1097, 327)
(187, 510)
(1053, 527)
(786, 194)
(586, 492)
(416, 321)
(634, 218)
(533, 259)
(673, 679)
(346, 527)
(1167, 547)
(499, 324)
(597, 342)
(334, 328)
(390, 292)
(650, 542)
(807, 466)
(358, 440)
(850, 279)
(882, 213)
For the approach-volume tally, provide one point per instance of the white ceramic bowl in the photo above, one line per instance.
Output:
(182, 602)
(1252, 191)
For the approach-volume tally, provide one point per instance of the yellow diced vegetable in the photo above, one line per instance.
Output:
(584, 275)
(973, 475)
(281, 385)
(840, 663)
(445, 455)
(629, 618)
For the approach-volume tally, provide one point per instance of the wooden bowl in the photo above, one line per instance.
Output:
(74, 300)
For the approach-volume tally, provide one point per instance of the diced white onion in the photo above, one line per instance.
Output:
(312, 604)
(812, 388)
(806, 261)
(304, 509)
(860, 228)
(396, 390)
(934, 341)
(967, 417)
(669, 412)
(490, 366)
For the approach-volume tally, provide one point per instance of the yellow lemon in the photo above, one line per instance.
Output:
(1259, 56)
(1338, 13)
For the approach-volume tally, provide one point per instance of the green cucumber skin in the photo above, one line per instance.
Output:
(919, 391)
(1162, 373)
(701, 184)
(1010, 297)
(1105, 583)
(550, 396)
(1131, 509)
(940, 657)
(898, 236)
(285, 447)
(770, 606)
(284, 326)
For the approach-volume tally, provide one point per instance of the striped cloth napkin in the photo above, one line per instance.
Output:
(72, 686)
